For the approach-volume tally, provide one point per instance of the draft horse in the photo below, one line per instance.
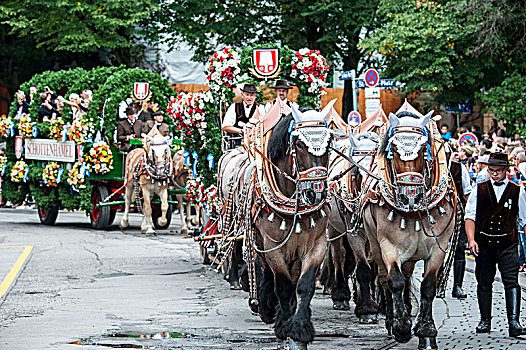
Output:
(148, 170)
(410, 215)
(349, 251)
(288, 220)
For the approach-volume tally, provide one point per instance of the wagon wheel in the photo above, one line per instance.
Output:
(49, 216)
(113, 213)
(156, 215)
(100, 216)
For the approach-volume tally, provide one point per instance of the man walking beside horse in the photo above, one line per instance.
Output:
(491, 227)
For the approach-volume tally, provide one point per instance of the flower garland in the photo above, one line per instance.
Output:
(56, 128)
(3, 164)
(52, 174)
(80, 131)
(99, 158)
(25, 127)
(223, 71)
(77, 176)
(194, 191)
(312, 68)
(211, 198)
(187, 111)
(19, 171)
(6, 126)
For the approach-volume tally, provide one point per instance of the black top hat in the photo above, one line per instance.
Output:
(249, 88)
(498, 159)
(158, 113)
(282, 84)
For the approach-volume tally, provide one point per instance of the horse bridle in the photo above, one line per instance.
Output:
(149, 166)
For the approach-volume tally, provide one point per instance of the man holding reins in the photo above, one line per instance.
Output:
(491, 217)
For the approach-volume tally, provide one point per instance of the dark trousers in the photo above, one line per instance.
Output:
(507, 260)
(460, 252)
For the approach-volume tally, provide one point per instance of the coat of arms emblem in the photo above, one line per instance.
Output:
(141, 91)
(265, 63)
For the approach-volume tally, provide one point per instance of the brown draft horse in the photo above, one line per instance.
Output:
(291, 242)
(149, 169)
(410, 216)
(349, 252)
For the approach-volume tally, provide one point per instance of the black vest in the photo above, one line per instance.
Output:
(240, 114)
(496, 223)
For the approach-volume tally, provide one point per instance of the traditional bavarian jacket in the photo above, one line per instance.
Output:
(125, 128)
(460, 176)
(163, 128)
(495, 210)
(239, 113)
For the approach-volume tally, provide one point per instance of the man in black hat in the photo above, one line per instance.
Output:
(491, 226)
(239, 113)
(128, 129)
(281, 88)
(157, 121)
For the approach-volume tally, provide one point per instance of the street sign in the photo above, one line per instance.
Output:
(371, 77)
(372, 92)
(369, 112)
(346, 75)
(467, 138)
(461, 107)
(372, 103)
(383, 83)
(354, 118)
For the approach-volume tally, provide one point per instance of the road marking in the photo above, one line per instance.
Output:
(15, 270)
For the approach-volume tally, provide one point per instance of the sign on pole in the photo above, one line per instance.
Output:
(467, 138)
(371, 77)
(372, 92)
(354, 118)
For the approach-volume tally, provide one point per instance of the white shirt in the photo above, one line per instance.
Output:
(471, 206)
(481, 176)
(230, 115)
(269, 105)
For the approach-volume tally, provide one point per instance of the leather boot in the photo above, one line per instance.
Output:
(513, 307)
(484, 300)
(459, 267)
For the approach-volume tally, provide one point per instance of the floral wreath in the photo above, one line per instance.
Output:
(19, 171)
(52, 174)
(77, 176)
(99, 158)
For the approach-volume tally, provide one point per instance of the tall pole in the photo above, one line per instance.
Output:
(354, 103)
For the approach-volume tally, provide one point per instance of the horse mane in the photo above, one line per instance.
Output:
(385, 140)
(279, 140)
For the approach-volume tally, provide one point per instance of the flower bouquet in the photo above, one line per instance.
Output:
(310, 67)
(187, 111)
(194, 191)
(25, 126)
(5, 123)
(212, 201)
(223, 71)
(99, 158)
(80, 131)
(56, 128)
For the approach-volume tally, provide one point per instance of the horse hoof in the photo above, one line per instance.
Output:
(235, 285)
(283, 345)
(162, 221)
(427, 343)
(368, 319)
(297, 345)
(341, 305)
(402, 332)
(123, 225)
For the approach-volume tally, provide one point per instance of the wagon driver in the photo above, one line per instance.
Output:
(157, 121)
(281, 88)
(129, 128)
(239, 113)
(491, 227)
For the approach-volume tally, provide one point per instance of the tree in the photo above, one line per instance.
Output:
(43, 34)
(333, 27)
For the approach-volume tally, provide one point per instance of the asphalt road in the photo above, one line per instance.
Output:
(109, 289)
